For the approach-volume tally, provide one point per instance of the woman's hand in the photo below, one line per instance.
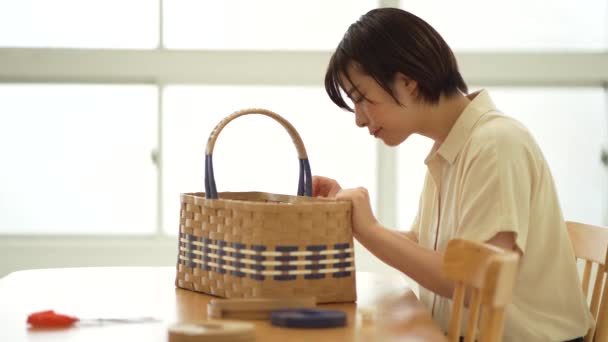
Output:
(324, 187)
(362, 216)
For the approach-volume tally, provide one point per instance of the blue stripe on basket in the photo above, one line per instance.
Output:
(237, 273)
(258, 248)
(285, 268)
(188, 245)
(286, 248)
(315, 267)
(316, 257)
(257, 257)
(286, 258)
(258, 267)
(314, 276)
(257, 277)
(202, 263)
(342, 245)
(237, 245)
(341, 274)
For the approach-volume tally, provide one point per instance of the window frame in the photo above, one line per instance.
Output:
(161, 67)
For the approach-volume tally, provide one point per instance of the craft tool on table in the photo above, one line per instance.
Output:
(255, 308)
(212, 331)
(51, 319)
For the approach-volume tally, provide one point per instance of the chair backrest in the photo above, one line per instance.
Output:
(487, 273)
(601, 326)
(590, 244)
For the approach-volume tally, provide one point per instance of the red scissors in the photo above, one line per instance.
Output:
(51, 319)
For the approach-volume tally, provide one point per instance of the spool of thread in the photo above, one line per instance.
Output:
(212, 331)
(308, 318)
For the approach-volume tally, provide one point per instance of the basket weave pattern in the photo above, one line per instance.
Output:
(251, 248)
(256, 244)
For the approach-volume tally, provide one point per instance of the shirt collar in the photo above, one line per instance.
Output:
(480, 104)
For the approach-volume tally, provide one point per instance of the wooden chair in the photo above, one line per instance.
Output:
(591, 245)
(488, 272)
(601, 327)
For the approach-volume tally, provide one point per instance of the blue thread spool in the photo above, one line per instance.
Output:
(308, 318)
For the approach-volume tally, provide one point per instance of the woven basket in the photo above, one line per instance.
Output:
(256, 244)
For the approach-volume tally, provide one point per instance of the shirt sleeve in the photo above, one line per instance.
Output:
(496, 190)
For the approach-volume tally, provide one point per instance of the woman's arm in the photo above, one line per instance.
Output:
(422, 264)
(397, 249)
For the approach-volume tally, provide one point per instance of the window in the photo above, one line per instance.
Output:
(531, 25)
(76, 159)
(79, 24)
(261, 24)
(133, 78)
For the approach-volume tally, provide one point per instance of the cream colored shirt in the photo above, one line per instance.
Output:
(489, 176)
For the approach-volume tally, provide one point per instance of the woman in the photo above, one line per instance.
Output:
(487, 179)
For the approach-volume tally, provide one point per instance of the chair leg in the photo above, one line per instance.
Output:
(492, 324)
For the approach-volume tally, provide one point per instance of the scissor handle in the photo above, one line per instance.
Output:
(305, 179)
(50, 319)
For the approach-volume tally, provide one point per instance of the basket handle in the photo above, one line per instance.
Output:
(305, 180)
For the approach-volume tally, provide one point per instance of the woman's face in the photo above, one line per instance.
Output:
(377, 110)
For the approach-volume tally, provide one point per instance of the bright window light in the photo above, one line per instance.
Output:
(76, 159)
(261, 24)
(533, 25)
(79, 24)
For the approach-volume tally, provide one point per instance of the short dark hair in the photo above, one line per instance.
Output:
(386, 41)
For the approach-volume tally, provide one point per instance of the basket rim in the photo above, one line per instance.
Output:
(297, 200)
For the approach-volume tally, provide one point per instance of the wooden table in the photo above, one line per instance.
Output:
(150, 291)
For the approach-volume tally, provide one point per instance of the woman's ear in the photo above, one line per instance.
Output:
(405, 85)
